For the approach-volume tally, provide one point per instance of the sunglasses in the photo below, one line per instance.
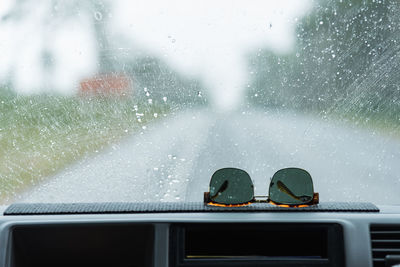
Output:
(289, 187)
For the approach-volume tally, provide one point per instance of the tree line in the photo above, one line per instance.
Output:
(346, 60)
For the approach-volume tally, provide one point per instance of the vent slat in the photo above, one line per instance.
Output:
(385, 240)
(385, 232)
(386, 249)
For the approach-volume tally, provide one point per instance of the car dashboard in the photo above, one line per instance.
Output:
(95, 235)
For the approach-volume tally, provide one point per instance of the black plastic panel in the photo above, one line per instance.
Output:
(113, 245)
(257, 245)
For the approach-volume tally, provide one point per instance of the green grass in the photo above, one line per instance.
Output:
(40, 135)
(384, 123)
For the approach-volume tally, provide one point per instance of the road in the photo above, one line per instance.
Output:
(173, 160)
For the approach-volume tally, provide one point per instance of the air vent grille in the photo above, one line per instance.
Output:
(385, 240)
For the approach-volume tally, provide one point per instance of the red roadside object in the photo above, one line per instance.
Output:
(108, 84)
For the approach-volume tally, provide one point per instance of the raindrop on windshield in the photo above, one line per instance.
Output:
(98, 16)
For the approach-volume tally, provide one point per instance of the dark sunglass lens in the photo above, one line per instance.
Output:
(231, 186)
(291, 186)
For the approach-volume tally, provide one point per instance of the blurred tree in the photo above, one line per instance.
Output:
(347, 58)
(114, 53)
(36, 27)
(155, 80)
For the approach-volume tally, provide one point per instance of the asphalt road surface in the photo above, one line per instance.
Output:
(173, 160)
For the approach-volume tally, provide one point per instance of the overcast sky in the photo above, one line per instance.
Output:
(205, 38)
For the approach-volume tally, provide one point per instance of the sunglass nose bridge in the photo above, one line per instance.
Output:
(261, 199)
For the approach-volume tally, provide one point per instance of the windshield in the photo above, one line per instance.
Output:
(144, 100)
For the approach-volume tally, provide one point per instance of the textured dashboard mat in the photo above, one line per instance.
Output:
(171, 207)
